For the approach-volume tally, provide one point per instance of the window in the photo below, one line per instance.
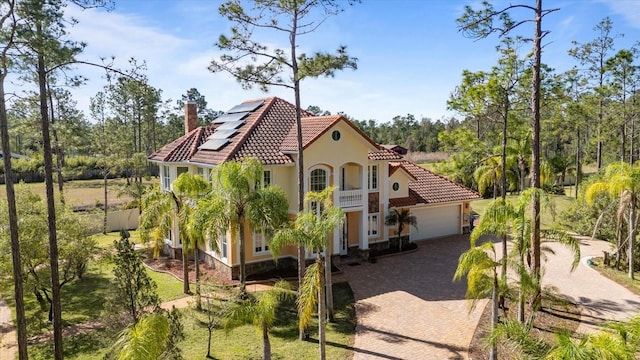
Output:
(373, 225)
(395, 186)
(166, 180)
(201, 171)
(182, 169)
(318, 180)
(335, 135)
(223, 245)
(373, 177)
(260, 244)
(266, 178)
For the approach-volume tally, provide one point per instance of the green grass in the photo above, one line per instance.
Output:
(105, 241)
(84, 299)
(241, 343)
(547, 221)
(85, 193)
(620, 277)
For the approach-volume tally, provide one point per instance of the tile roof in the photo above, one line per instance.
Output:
(269, 134)
(429, 188)
(384, 154)
(312, 128)
(260, 137)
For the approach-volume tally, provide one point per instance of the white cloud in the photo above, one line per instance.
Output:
(628, 10)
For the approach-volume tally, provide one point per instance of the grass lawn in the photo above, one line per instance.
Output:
(105, 241)
(85, 193)
(547, 221)
(241, 343)
(620, 277)
(84, 300)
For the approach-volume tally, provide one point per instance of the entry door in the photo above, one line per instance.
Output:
(344, 237)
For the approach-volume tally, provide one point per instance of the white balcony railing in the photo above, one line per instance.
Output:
(350, 198)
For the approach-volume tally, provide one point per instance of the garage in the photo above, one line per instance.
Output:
(435, 222)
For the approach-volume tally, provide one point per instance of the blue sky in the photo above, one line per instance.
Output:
(410, 53)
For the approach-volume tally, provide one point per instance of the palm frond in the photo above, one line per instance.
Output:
(308, 295)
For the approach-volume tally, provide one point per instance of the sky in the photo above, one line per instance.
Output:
(410, 52)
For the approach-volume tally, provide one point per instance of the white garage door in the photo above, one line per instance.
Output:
(436, 221)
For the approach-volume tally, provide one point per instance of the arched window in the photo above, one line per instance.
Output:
(318, 180)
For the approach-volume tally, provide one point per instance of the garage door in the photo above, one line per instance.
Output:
(435, 222)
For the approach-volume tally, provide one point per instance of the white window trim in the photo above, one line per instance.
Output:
(263, 240)
(327, 172)
(224, 248)
(166, 177)
(371, 178)
(370, 233)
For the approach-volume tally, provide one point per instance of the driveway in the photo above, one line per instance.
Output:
(600, 299)
(408, 307)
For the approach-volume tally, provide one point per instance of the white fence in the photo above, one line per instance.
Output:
(116, 220)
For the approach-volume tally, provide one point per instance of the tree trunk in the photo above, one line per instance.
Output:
(197, 265)
(243, 270)
(56, 147)
(535, 156)
(302, 335)
(632, 237)
(329, 286)
(106, 198)
(209, 342)
(493, 353)
(51, 206)
(322, 316)
(578, 162)
(266, 344)
(21, 322)
(503, 194)
(185, 269)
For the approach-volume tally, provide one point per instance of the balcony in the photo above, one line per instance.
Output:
(350, 198)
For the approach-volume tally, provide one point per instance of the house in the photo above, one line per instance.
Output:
(370, 179)
(396, 148)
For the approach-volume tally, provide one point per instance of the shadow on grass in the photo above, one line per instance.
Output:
(286, 325)
(87, 343)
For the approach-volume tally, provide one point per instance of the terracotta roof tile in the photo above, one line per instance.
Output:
(269, 134)
(312, 128)
(429, 188)
(384, 154)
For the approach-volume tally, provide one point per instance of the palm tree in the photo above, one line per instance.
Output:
(146, 339)
(237, 198)
(479, 263)
(488, 174)
(261, 311)
(312, 229)
(622, 181)
(400, 218)
(160, 208)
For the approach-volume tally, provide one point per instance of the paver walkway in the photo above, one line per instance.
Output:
(8, 338)
(600, 298)
(408, 307)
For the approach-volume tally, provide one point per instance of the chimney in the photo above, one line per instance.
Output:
(190, 116)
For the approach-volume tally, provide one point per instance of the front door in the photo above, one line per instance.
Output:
(344, 237)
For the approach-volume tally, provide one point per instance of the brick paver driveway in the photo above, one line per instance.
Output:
(408, 307)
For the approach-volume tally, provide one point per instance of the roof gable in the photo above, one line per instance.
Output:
(313, 127)
(429, 188)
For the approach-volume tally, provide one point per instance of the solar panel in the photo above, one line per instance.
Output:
(228, 125)
(250, 106)
(230, 117)
(213, 144)
(222, 134)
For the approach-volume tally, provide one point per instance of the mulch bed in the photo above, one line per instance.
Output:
(550, 318)
(174, 267)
